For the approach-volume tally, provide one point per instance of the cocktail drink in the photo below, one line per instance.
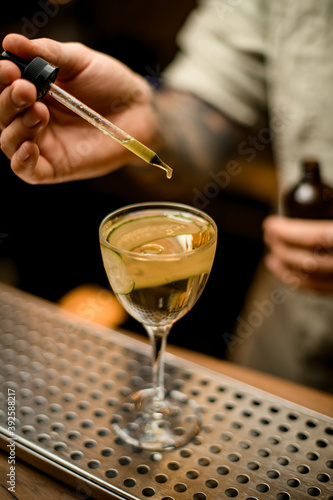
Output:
(157, 257)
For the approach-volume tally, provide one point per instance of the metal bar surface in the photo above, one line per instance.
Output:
(69, 379)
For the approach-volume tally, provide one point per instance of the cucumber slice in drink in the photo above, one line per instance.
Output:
(154, 273)
(121, 281)
(133, 233)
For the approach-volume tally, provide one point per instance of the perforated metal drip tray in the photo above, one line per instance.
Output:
(69, 380)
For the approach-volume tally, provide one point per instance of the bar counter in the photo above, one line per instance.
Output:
(32, 483)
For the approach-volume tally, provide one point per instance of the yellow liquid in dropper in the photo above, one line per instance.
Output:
(147, 155)
(143, 152)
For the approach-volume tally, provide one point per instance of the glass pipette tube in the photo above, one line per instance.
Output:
(108, 128)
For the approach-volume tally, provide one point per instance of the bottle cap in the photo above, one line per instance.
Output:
(38, 71)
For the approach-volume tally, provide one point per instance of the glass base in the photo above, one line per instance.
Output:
(157, 425)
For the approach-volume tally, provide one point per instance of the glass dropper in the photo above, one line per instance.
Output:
(42, 74)
(108, 128)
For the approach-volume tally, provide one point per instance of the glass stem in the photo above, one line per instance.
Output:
(158, 336)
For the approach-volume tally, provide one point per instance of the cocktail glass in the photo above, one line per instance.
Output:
(157, 257)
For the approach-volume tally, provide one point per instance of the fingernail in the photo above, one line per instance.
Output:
(30, 121)
(22, 154)
(35, 123)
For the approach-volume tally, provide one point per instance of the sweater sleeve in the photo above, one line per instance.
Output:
(222, 58)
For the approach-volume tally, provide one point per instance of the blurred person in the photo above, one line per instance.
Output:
(248, 73)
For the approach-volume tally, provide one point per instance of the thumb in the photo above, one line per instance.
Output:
(71, 58)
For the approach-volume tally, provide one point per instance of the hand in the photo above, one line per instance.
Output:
(300, 251)
(45, 141)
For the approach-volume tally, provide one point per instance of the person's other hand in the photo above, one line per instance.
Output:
(300, 251)
(45, 141)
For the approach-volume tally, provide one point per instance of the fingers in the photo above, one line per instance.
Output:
(316, 262)
(24, 161)
(28, 49)
(21, 117)
(15, 99)
(70, 57)
(301, 251)
(300, 232)
(297, 278)
(26, 126)
(305, 244)
(8, 73)
(31, 166)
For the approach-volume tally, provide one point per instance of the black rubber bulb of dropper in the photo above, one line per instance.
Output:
(38, 71)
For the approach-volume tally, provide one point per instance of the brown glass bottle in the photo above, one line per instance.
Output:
(310, 198)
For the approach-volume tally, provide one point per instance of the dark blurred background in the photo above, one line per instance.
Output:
(49, 234)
